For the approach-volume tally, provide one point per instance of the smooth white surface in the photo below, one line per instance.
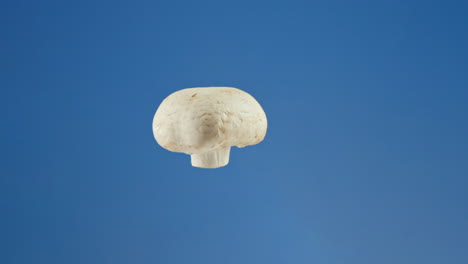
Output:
(212, 159)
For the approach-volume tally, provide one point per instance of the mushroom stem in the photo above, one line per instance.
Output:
(213, 159)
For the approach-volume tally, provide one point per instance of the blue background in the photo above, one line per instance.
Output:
(365, 159)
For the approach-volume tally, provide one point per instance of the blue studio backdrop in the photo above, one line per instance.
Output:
(365, 159)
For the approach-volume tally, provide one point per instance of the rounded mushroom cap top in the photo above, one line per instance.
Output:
(199, 120)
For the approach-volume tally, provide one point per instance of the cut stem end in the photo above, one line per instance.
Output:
(213, 159)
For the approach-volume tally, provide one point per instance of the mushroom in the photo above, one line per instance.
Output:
(205, 122)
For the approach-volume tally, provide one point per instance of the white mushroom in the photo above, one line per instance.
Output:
(206, 122)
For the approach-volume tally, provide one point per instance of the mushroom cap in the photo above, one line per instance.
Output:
(199, 120)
